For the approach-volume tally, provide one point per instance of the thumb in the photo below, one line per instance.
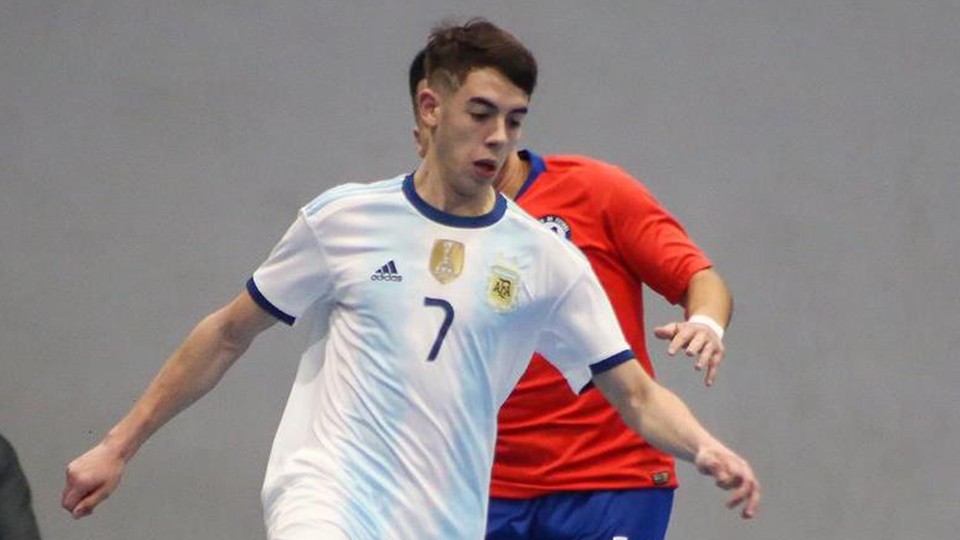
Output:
(666, 331)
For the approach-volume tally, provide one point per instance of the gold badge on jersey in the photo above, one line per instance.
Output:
(446, 260)
(503, 288)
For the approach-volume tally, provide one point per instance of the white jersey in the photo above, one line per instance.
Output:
(390, 427)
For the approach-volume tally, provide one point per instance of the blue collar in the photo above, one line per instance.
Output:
(439, 216)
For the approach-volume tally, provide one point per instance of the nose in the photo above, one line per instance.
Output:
(498, 137)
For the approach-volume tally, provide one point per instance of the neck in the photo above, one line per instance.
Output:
(512, 177)
(448, 196)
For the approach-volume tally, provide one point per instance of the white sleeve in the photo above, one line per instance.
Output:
(581, 336)
(294, 276)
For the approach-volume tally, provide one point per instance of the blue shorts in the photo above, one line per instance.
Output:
(630, 514)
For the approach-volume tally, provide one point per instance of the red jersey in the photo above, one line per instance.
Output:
(550, 440)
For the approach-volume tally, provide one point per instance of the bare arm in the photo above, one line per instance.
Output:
(661, 418)
(190, 372)
(706, 295)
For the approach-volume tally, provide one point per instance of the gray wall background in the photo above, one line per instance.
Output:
(151, 153)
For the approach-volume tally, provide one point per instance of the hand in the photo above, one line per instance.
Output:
(698, 340)
(91, 478)
(731, 472)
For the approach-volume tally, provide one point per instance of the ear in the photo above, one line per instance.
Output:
(428, 106)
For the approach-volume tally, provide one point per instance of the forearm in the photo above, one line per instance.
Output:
(662, 419)
(190, 372)
(708, 295)
(653, 412)
(665, 422)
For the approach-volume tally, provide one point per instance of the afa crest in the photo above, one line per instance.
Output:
(503, 288)
(446, 260)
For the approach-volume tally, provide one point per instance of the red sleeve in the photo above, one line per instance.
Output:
(652, 243)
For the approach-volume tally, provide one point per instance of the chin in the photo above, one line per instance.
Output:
(473, 187)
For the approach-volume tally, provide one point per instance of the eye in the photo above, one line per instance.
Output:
(514, 122)
(479, 116)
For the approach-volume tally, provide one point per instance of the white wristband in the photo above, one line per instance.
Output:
(708, 322)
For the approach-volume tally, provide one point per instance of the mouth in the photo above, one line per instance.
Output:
(486, 168)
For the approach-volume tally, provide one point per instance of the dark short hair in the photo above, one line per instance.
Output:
(453, 51)
(416, 74)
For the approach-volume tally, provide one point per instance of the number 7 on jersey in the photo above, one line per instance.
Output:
(447, 321)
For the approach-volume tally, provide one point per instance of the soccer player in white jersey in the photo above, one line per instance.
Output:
(431, 291)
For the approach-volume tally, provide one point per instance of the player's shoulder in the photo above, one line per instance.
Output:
(351, 195)
(543, 238)
(562, 162)
(597, 181)
(586, 169)
(520, 218)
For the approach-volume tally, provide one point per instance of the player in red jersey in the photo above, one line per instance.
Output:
(566, 466)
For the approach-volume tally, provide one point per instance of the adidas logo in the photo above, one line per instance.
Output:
(387, 272)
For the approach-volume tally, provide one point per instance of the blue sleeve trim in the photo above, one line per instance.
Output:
(262, 301)
(612, 362)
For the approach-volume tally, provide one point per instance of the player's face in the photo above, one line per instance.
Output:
(478, 127)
